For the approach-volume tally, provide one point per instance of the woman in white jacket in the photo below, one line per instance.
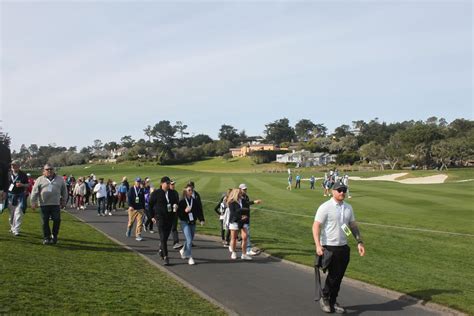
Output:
(79, 192)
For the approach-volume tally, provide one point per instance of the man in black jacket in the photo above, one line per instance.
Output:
(161, 211)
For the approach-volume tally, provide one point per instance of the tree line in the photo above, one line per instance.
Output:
(430, 143)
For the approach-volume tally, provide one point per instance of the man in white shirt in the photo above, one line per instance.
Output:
(333, 223)
(100, 191)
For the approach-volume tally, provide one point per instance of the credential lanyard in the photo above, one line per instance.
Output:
(167, 198)
(137, 193)
(189, 204)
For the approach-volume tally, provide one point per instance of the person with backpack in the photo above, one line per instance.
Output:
(188, 213)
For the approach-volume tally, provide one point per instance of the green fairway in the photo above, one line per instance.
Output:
(85, 273)
(407, 228)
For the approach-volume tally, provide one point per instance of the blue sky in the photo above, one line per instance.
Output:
(72, 72)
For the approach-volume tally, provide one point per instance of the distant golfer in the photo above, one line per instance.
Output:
(290, 181)
(312, 180)
(333, 223)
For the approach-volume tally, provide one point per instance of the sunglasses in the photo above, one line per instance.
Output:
(341, 190)
(49, 169)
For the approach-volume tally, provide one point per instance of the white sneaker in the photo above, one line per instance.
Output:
(110, 214)
(152, 232)
(78, 208)
(230, 249)
(191, 261)
(182, 253)
(233, 256)
(245, 257)
(139, 238)
(252, 253)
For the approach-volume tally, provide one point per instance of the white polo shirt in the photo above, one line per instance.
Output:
(331, 215)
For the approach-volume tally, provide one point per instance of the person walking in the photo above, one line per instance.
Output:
(79, 193)
(345, 180)
(110, 193)
(122, 192)
(136, 209)
(220, 210)
(100, 193)
(236, 223)
(17, 196)
(174, 198)
(333, 223)
(312, 180)
(50, 193)
(188, 214)
(298, 182)
(162, 212)
(290, 182)
(246, 202)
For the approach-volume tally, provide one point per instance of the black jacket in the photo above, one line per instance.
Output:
(246, 207)
(235, 213)
(197, 212)
(158, 205)
(217, 209)
(141, 197)
(5, 159)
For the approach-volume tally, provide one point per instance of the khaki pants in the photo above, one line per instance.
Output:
(138, 215)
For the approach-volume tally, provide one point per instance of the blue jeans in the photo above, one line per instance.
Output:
(101, 204)
(188, 230)
(249, 245)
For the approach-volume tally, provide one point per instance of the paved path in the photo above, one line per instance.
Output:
(264, 286)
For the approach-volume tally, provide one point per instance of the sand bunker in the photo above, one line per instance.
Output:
(439, 178)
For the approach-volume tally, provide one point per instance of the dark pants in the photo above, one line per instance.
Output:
(298, 185)
(336, 270)
(222, 230)
(174, 228)
(101, 204)
(53, 212)
(164, 228)
(110, 202)
(148, 222)
(312, 186)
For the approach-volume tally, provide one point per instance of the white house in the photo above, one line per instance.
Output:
(305, 158)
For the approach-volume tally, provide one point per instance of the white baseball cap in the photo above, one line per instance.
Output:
(242, 186)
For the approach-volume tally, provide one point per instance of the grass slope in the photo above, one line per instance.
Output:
(85, 273)
(430, 265)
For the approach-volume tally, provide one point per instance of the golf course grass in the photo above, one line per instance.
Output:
(418, 237)
(85, 273)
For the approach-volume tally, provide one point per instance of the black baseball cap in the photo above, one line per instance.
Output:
(165, 179)
(339, 185)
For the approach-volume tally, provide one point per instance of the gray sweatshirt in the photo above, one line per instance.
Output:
(49, 192)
